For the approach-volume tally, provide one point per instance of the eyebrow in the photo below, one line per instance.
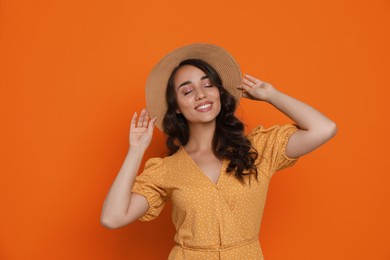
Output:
(189, 82)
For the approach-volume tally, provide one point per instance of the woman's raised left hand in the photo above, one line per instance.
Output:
(256, 89)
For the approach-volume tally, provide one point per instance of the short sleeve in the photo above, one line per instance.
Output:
(150, 184)
(271, 145)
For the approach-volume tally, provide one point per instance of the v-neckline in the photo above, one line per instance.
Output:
(201, 171)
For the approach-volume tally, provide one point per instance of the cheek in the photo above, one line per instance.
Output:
(215, 94)
(182, 103)
(219, 101)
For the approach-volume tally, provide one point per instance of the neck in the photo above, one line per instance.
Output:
(201, 137)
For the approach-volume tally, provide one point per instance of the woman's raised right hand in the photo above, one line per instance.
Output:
(141, 132)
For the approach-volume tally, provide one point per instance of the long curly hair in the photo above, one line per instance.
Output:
(229, 140)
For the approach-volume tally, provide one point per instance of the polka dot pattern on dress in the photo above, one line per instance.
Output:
(215, 220)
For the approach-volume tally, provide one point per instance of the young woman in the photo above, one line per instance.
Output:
(216, 177)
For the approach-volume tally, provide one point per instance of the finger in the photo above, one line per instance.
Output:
(151, 125)
(146, 119)
(257, 82)
(252, 78)
(245, 95)
(245, 88)
(248, 85)
(141, 118)
(133, 121)
(248, 82)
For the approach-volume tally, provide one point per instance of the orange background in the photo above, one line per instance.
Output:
(73, 73)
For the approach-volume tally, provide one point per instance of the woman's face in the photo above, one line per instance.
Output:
(197, 98)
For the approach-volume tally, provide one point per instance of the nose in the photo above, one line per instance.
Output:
(200, 94)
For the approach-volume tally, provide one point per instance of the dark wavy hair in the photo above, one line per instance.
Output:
(229, 140)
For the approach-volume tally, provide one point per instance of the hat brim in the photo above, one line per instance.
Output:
(156, 83)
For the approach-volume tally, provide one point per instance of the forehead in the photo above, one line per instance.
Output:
(187, 72)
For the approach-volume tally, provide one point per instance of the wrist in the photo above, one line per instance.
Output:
(273, 95)
(136, 151)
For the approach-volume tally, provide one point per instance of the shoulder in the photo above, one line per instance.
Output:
(154, 168)
(271, 143)
(263, 129)
(274, 129)
(163, 163)
(154, 162)
(274, 133)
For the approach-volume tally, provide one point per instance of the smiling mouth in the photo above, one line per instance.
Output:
(204, 107)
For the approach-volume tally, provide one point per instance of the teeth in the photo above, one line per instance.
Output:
(204, 106)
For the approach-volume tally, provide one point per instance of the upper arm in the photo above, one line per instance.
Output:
(302, 141)
(147, 195)
(138, 207)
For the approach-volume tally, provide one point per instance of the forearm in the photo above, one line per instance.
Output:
(118, 197)
(305, 116)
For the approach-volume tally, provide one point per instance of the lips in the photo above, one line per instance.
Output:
(205, 106)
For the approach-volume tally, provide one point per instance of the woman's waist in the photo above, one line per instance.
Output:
(218, 247)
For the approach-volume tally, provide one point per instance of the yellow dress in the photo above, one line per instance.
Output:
(215, 221)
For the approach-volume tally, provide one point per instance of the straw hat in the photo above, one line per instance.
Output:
(156, 83)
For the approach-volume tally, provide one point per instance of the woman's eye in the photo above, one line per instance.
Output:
(208, 85)
(187, 92)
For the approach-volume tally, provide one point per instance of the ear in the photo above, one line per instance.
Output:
(178, 111)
